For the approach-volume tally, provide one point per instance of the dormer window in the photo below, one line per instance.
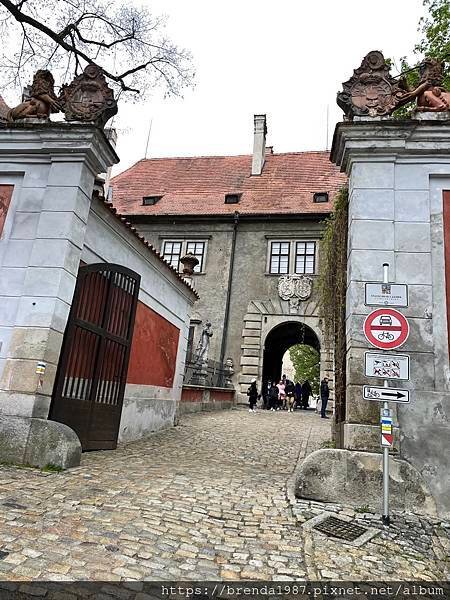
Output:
(320, 197)
(150, 200)
(232, 198)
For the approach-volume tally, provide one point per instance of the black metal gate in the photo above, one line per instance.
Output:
(91, 377)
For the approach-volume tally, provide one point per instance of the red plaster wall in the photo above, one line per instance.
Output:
(191, 395)
(153, 350)
(196, 395)
(5, 199)
(219, 396)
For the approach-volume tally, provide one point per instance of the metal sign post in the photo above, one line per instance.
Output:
(386, 329)
(386, 518)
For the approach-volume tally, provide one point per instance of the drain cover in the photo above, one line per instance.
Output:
(344, 530)
(3, 554)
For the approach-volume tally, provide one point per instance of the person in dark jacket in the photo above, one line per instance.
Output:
(252, 394)
(273, 396)
(324, 395)
(306, 393)
(290, 393)
(298, 394)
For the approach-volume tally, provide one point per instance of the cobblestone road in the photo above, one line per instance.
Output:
(205, 500)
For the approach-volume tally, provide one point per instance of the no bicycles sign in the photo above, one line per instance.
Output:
(386, 328)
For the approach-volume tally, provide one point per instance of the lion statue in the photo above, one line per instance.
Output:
(42, 101)
(430, 93)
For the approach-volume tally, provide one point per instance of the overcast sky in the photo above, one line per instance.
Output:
(286, 58)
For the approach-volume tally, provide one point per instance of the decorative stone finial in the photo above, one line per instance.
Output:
(88, 98)
(189, 262)
(42, 100)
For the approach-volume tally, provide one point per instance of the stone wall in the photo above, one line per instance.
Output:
(52, 168)
(48, 227)
(398, 171)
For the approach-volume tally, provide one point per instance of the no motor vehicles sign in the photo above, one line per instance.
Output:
(386, 328)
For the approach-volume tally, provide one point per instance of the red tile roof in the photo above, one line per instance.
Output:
(148, 246)
(197, 185)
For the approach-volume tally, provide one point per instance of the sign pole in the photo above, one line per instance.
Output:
(386, 519)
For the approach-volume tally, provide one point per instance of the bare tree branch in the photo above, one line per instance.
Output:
(126, 42)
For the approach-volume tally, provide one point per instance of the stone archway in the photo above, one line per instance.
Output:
(260, 319)
(279, 340)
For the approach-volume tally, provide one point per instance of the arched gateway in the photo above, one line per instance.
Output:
(279, 340)
(270, 328)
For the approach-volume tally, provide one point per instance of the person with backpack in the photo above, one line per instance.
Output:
(253, 396)
(273, 396)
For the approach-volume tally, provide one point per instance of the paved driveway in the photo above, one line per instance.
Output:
(203, 500)
(206, 500)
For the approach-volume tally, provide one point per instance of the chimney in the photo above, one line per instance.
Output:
(259, 144)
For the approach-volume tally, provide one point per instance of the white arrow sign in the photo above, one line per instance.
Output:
(384, 394)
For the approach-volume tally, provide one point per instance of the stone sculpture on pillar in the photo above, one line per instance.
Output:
(203, 343)
(431, 95)
(201, 355)
(373, 92)
(88, 98)
(229, 372)
(42, 101)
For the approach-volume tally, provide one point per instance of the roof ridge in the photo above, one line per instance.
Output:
(126, 170)
(216, 156)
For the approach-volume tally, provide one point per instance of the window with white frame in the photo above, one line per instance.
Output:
(279, 257)
(198, 250)
(305, 257)
(173, 250)
(292, 256)
(172, 253)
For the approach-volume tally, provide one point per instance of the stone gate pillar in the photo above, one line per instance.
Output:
(52, 168)
(397, 172)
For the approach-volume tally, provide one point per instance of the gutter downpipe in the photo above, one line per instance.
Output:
(230, 282)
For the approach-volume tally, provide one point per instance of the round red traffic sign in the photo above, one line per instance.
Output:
(386, 328)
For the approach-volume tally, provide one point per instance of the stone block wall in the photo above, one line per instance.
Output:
(49, 225)
(52, 168)
(398, 172)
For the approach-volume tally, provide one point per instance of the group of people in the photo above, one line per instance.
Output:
(287, 395)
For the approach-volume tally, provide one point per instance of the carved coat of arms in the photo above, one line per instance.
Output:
(372, 91)
(295, 289)
(88, 98)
